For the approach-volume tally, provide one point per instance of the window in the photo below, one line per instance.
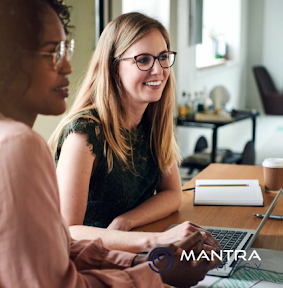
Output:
(221, 33)
(158, 9)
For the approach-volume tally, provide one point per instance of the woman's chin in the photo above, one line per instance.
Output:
(55, 110)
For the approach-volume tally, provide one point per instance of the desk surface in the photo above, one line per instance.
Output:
(271, 235)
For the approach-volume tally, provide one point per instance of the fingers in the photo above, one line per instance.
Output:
(209, 248)
(215, 262)
(209, 239)
(198, 247)
(191, 240)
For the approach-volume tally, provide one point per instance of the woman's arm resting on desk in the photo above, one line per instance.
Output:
(165, 202)
(74, 171)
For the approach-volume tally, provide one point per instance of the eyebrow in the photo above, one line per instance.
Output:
(50, 43)
(158, 54)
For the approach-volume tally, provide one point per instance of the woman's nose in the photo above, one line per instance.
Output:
(156, 68)
(65, 66)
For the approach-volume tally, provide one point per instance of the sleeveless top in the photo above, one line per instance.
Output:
(112, 194)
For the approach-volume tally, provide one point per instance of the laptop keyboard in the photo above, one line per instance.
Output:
(229, 240)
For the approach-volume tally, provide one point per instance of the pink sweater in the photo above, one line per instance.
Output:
(35, 245)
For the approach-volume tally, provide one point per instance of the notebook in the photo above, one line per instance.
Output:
(244, 238)
(228, 192)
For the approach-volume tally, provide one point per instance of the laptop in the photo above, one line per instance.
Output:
(235, 239)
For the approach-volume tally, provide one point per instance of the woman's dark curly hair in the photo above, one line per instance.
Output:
(21, 29)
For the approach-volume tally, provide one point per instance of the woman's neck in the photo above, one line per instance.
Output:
(16, 113)
(134, 117)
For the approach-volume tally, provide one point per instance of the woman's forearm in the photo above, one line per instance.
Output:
(134, 242)
(155, 208)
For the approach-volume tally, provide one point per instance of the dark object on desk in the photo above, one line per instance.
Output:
(272, 100)
(188, 189)
(276, 217)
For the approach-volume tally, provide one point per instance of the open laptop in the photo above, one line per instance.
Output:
(236, 239)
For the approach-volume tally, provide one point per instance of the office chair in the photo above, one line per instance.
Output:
(272, 100)
(248, 155)
(202, 156)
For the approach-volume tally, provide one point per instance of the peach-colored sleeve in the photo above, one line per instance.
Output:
(34, 242)
(86, 254)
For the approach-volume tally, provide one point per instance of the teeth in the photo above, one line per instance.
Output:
(62, 88)
(153, 83)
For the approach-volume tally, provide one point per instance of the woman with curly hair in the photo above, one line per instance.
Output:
(35, 246)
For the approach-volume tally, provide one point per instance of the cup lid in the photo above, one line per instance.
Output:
(273, 162)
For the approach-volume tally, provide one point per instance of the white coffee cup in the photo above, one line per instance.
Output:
(273, 174)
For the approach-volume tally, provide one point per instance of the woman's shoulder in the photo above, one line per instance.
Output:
(87, 123)
(88, 119)
(19, 141)
(11, 130)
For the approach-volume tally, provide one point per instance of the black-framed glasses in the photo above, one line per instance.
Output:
(61, 50)
(146, 61)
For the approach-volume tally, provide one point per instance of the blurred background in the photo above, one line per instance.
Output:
(218, 43)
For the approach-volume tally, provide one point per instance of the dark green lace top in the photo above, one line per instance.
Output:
(112, 194)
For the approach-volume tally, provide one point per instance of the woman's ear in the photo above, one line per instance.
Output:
(115, 72)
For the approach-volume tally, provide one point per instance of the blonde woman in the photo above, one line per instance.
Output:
(116, 146)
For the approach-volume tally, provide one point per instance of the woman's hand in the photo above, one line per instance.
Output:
(182, 231)
(183, 273)
(120, 223)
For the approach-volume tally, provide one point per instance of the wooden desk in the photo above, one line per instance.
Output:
(271, 235)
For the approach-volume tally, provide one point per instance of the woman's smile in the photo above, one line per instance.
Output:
(153, 84)
(63, 90)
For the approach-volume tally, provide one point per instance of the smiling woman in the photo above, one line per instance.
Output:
(116, 152)
(124, 148)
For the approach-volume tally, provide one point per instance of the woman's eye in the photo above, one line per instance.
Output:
(143, 60)
(163, 57)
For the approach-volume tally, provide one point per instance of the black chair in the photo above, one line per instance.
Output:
(248, 155)
(202, 156)
(201, 144)
(272, 100)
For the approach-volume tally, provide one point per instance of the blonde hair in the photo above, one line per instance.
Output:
(102, 90)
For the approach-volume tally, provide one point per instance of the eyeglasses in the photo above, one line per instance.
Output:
(61, 50)
(146, 61)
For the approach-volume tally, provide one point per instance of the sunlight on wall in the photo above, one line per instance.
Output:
(221, 24)
(158, 9)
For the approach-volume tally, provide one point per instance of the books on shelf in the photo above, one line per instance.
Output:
(228, 193)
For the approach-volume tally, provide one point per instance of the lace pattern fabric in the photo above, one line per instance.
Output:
(123, 189)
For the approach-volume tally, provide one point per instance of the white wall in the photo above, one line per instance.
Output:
(265, 45)
(232, 77)
(158, 9)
